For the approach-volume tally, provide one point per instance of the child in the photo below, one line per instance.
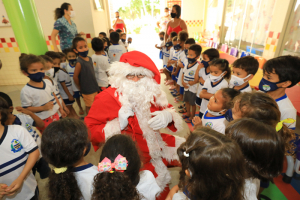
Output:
(129, 40)
(172, 62)
(107, 44)
(123, 41)
(181, 61)
(130, 182)
(166, 55)
(243, 70)
(202, 73)
(49, 70)
(263, 150)
(64, 144)
(84, 74)
(19, 153)
(63, 58)
(111, 30)
(219, 69)
(213, 167)
(119, 31)
(72, 59)
(188, 81)
(101, 63)
(161, 36)
(37, 95)
(115, 51)
(218, 104)
(102, 35)
(279, 74)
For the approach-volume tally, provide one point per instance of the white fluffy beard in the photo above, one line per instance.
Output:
(139, 96)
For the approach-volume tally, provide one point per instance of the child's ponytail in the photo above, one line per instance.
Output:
(63, 185)
(287, 136)
(116, 185)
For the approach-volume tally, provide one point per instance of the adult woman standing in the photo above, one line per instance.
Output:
(176, 24)
(64, 27)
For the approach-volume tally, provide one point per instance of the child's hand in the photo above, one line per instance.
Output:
(173, 191)
(156, 45)
(23, 110)
(2, 190)
(48, 106)
(173, 73)
(14, 187)
(197, 121)
(191, 82)
(71, 98)
(180, 64)
(63, 113)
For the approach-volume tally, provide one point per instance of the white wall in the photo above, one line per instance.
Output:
(100, 18)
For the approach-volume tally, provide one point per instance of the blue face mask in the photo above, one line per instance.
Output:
(168, 44)
(205, 63)
(84, 53)
(123, 40)
(37, 77)
(267, 86)
(177, 47)
(191, 60)
(161, 38)
(228, 115)
(72, 61)
(106, 48)
(186, 52)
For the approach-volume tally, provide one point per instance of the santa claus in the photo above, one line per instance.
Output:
(135, 105)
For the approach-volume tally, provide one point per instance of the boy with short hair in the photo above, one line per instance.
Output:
(115, 51)
(123, 41)
(162, 44)
(188, 81)
(166, 54)
(279, 74)
(243, 70)
(102, 35)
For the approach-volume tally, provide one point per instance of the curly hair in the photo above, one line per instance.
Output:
(63, 145)
(262, 107)
(216, 166)
(229, 94)
(262, 147)
(119, 185)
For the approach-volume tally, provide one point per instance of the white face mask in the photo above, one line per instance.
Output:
(72, 13)
(237, 81)
(216, 78)
(50, 73)
(215, 113)
(63, 65)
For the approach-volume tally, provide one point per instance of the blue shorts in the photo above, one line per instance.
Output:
(181, 90)
(200, 115)
(178, 74)
(174, 78)
(170, 68)
(68, 102)
(76, 95)
(198, 101)
(161, 55)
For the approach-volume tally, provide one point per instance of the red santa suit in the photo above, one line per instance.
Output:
(157, 148)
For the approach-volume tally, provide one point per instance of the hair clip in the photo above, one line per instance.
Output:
(60, 170)
(120, 164)
(280, 124)
(186, 154)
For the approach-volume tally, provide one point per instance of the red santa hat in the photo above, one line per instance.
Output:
(139, 59)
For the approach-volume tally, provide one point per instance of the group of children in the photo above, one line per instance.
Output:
(236, 149)
(57, 80)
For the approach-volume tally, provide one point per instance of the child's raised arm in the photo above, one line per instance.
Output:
(205, 95)
(76, 74)
(38, 121)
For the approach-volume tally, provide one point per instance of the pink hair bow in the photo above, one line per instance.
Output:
(120, 164)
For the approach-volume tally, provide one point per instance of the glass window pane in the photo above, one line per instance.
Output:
(292, 36)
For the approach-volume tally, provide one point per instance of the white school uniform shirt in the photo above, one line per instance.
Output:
(216, 123)
(172, 53)
(247, 88)
(205, 76)
(15, 146)
(101, 65)
(179, 196)
(147, 185)
(189, 75)
(55, 83)
(287, 110)
(35, 97)
(115, 52)
(166, 56)
(85, 177)
(63, 77)
(182, 57)
(251, 189)
(70, 69)
(124, 44)
(212, 89)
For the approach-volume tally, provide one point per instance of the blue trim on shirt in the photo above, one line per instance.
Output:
(243, 87)
(71, 65)
(281, 98)
(205, 71)
(32, 150)
(13, 169)
(217, 83)
(293, 128)
(17, 121)
(37, 87)
(4, 134)
(217, 117)
(81, 168)
(191, 66)
(13, 161)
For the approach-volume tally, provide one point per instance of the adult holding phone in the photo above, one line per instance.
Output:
(119, 23)
(64, 27)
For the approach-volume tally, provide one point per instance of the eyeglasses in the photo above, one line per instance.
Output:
(131, 76)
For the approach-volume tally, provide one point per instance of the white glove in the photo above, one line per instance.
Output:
(124, 113)
(161, 119)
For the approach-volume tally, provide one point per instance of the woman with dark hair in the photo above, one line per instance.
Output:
(64, 27)
(176, 24)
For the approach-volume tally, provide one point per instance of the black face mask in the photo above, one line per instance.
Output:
(173, 15)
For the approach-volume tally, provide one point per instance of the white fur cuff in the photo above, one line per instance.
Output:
(177, 119)
(112, 128)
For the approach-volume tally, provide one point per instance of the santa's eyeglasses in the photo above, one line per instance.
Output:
(131, 76)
